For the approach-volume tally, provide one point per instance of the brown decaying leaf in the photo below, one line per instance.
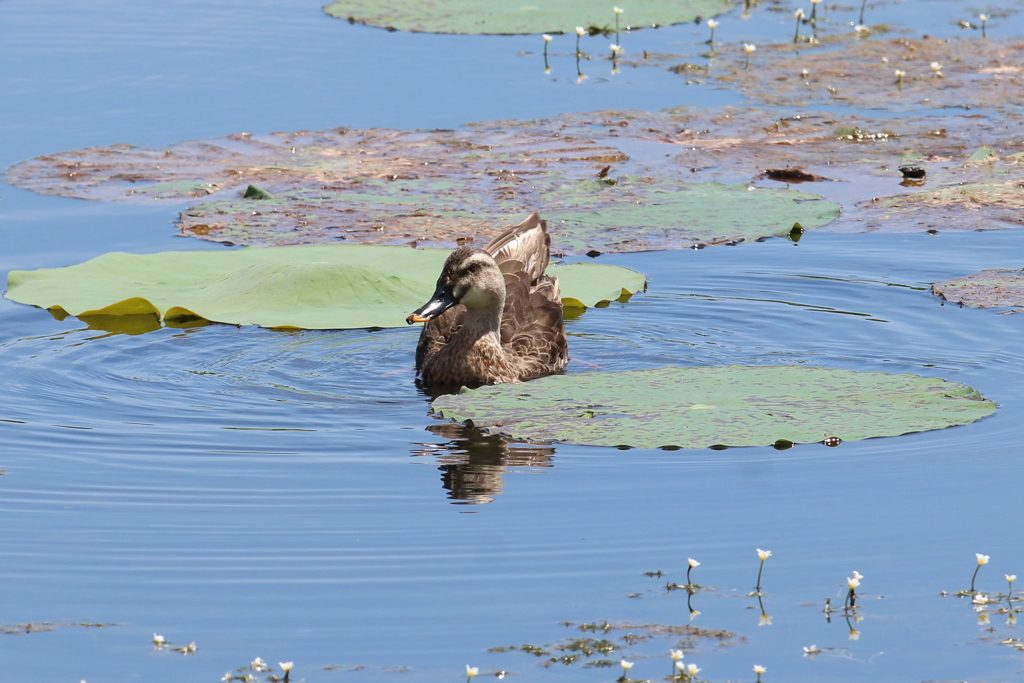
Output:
(987, 289)
(975, 72)
(308, 171)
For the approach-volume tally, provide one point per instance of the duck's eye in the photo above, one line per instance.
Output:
(473, 267)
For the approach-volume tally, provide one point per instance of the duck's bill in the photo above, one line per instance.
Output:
(442, 300)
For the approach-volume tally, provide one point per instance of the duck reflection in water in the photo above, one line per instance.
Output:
(473, 463)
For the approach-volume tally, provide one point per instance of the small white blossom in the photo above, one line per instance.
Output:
(286, 666)
(158, 640)
(748, 48)
(758, 669)
(935, 67)
(983, 17)
(852, 582)
(982, 559)
(472, 671)
(616, 49)
(259, 665)
(799, 14)
(1010, 578)
(547, 38)
(692, 562)
(676, 655)
(712, 23)
(580, 31)
(857, 575)
(763, 554)
(617, 10)
(626, 666)
(860, 28)
(227, 677)
(692, 669)
(812, 650)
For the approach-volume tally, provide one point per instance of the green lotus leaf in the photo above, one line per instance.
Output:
(502, 17)
(703, 407)
(314, 287)
(987, 289)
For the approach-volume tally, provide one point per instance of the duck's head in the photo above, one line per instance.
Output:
(470, 277)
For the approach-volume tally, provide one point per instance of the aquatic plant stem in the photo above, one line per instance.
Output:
(761, 568)
(976, 569)
(863, 4)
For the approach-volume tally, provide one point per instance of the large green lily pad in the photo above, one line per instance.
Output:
(318, 287)
(703, 407)
(987, 289)
(502, 17)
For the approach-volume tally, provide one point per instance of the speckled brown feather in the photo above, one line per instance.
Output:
(533, 341)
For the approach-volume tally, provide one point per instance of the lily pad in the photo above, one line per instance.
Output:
(627, 214)
(317, 287)
(974, 73)
(987, 289)
(703, 407)
(502, 17)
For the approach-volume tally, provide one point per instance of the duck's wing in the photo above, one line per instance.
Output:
(437, 332)
(524, 247)
(532, 330)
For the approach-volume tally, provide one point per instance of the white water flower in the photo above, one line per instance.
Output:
(616, 49)
(626, 666)
(1010, 578)
(765, 620)
(547, 38)
(692, 562)
(617, 10)
(811, 651)
(259, 665)
(158, 640)
(580, 31)
(983, 18)
(763, 554)
(758, 669)
(852, 582)
(692, 670)
(748, 48)
(227, 678)
(982, 559)
(676, 655)
(681, 667)
(712, 23)
(472, 671)
(286, 666)
(799, 14)
(860, 28)
(857, 575)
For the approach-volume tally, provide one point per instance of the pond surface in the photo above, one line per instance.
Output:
(288, 496)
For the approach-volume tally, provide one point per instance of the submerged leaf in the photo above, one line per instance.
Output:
(503, 17)
(987, 289)
(633, 214)
(320, 287)
(703, 407)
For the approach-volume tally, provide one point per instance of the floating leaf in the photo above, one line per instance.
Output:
(628, 214)
(861, 73)
(702, 407)
(503, 17)
(987, 289)
(318, 287)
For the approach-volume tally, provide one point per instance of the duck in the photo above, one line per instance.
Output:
(495, 317)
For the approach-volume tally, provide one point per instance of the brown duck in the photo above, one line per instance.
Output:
(494, 317)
